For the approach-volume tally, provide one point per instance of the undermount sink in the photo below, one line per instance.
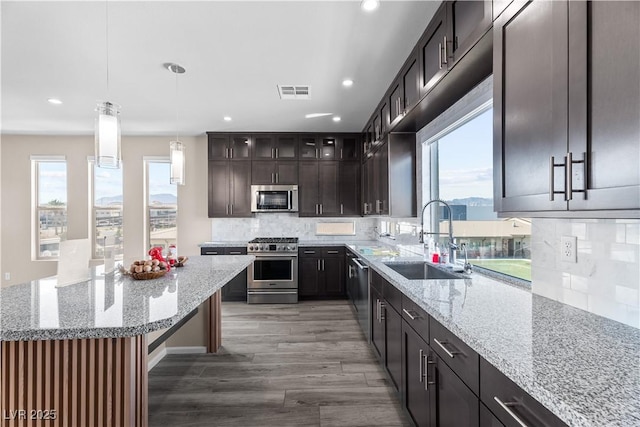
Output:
(420, 271)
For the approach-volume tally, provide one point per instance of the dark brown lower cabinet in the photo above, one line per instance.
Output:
(377, 325)
(415, 383)
(321, 273)
(456, 405)
(236, 288)
(393, 345)
(509, 403)
(487, 419)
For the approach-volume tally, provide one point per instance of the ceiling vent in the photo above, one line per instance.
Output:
(294, 91)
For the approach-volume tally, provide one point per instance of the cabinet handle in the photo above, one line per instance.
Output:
(440, 55)
(318, 264)
(227, 210)
(309, 252)
(341, 157)
(382, 308)
(341, 209)
(235, 253)
(569, 177)
(378, 210)
(231, 155)
(411, 316)
(272, 153)
(360, 266)
(332, 252)
(507, 409)
(445, 57)
(378, 310)
(231, 208)
(320, 208)
(277, 177)
(421, 365)
(430, 382)
(451, 354)
(322, 265)
(272, 178)
(552, 176)
(277, 154)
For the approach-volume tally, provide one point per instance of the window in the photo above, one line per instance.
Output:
(460, 172)
(50, 206)
(162, 205)
(106, 215)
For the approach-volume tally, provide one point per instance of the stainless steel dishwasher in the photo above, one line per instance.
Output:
(358, 289)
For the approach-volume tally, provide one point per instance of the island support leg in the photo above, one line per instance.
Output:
(80, 382)
(214, 322)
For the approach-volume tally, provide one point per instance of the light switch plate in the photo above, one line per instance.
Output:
(569, 249)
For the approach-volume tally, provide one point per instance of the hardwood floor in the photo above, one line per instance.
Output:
(281, 365)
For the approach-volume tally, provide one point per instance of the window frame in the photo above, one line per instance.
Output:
(147, 160)
(35, 202)
(92, 209)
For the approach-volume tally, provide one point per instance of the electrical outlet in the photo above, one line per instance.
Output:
(7, 276)
(569, 249)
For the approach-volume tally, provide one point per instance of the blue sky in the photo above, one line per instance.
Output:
(466, 160)
(52, 182)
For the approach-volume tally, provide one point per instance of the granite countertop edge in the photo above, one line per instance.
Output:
(185, 307)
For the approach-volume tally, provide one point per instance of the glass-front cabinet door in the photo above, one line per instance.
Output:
(263, 147)
(286, 147)
(308, 147)
(239, 146)
(327, 146)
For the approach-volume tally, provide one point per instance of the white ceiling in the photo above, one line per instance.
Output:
(235, 54)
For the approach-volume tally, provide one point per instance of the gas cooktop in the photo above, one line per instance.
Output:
(274, 240)
(273, 245)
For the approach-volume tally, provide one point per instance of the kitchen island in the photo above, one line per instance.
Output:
(77, 355)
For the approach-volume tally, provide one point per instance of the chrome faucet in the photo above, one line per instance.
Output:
(467, 266)
(452, 242)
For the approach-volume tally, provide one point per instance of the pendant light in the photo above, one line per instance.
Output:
(107, 122)
(176, 148)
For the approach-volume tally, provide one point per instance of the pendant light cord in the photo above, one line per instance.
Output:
(176, 106)
(106, 6)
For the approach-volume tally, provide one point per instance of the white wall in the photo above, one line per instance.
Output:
(15, 190)
(606, 278)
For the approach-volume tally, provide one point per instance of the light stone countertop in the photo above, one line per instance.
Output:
(112, 306)
(584, 368)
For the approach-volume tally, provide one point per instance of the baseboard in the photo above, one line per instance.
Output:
(174, 350)
(151, 363)
(186, 350)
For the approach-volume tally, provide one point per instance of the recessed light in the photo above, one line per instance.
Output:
(336, 119)
(314, 115)
(226, 118)
(369, 5)
(54, 101)
(347, 83)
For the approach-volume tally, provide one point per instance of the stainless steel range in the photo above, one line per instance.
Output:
(273, 276)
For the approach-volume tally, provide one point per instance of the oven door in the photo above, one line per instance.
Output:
(274, 272)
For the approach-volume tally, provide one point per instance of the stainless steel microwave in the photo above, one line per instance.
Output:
(274, 198)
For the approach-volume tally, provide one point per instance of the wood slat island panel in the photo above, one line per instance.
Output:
(83, 382)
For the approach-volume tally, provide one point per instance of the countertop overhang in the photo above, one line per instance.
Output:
(112, 306)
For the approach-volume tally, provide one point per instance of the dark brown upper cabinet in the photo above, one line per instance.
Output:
(385, 116)
(405, 91)
(265, 172)
(578, 148)
(349, 147)
(318, 188)
(604, 105)
(469, 20)
(432, 51)
(229, 188)
(229, 146)
(318, 147)
(269, 146)
(349, 188)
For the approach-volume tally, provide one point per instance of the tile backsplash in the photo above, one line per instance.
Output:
(606, 278)
(286, 225)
